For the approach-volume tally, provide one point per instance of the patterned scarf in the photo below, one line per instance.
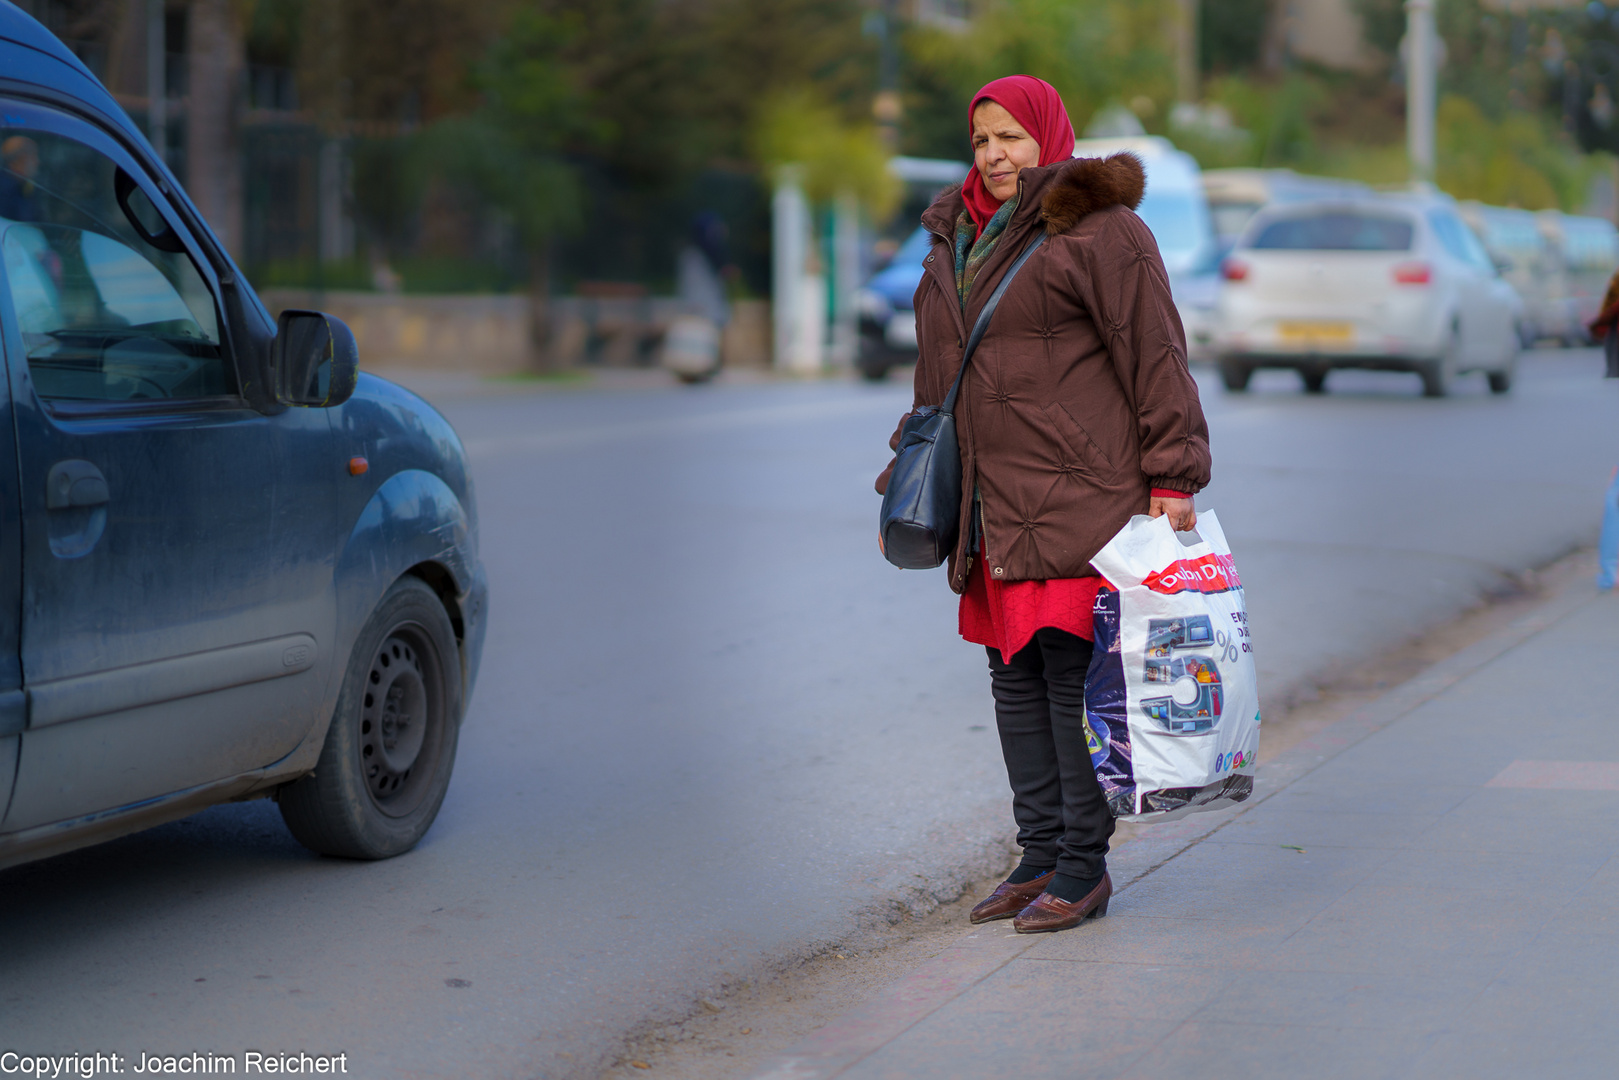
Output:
(970, 256)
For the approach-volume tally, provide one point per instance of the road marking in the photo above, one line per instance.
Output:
(1559, 776)
(681, 425)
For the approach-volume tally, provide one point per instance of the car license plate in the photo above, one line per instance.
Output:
(1315, 333)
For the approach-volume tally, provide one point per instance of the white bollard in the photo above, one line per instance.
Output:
(789, 249)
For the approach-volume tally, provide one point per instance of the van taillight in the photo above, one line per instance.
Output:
(1232, 270)
(1412, 273)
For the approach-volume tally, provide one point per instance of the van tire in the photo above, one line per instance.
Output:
(1435, 378)
(379, 782)
(874, 368)
(1437, 375)
(1235, 375)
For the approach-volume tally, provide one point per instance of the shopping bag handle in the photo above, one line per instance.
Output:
(1178, 532)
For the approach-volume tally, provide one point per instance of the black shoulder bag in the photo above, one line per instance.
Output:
(921, 515)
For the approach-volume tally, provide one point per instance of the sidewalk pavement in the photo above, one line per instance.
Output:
(1426, 888)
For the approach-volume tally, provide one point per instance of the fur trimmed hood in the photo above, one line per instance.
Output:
(1060, 195)
(1086, 185)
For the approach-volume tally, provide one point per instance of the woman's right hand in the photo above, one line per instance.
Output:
(893, 444)
(882, 479)
(1182, 514)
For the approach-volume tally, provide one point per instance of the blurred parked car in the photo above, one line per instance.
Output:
(234, 567)
(883, 308)
(1528, 262)
(1236, 195)
(1587, 249)
(1387, 283)
(887, 319)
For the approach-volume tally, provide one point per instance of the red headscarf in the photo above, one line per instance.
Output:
(1038, 109)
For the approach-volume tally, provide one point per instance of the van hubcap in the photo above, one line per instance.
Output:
(394, 718)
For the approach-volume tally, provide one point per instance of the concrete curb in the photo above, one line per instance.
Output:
(982, 951)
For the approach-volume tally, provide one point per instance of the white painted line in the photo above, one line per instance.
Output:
(1559, 776)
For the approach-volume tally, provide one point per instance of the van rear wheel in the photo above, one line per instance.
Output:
(1435, 378)
(1235, 374)
(873, 368)
(389, 751)
(1437, 375)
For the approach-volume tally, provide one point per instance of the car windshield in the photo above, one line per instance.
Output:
(1337, 231)
(1231, 217)
(1176, 221)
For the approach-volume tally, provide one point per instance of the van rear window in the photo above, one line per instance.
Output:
(1335, 232)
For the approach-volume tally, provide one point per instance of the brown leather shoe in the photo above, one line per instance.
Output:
(1008, 899)
(1047, 913)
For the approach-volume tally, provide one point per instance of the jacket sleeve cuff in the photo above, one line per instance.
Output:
(1161, 491)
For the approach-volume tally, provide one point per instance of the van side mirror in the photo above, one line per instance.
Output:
(315, 359)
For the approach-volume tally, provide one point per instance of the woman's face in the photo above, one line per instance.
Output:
(1001, 149)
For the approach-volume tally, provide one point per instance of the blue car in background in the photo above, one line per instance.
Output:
(231, 566)
(887, 318)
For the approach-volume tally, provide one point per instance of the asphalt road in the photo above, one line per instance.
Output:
(714, 727)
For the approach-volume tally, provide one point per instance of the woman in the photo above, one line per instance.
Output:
(1076, 412)
(1602, 326)
(1603, 329)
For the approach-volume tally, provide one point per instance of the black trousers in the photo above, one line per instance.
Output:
(1062, 817)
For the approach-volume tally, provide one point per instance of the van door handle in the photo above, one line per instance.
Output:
(74, 483)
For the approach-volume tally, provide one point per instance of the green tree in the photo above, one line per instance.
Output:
(797, 129)
(1092, 51)
(1231, 34)
(537, 106)
(646, 93)
(1514, 161)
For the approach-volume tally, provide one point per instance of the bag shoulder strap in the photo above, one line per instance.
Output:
(982, 324)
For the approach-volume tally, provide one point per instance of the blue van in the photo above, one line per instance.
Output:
(231, 566)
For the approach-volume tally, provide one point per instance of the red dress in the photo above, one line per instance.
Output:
(1005, 615)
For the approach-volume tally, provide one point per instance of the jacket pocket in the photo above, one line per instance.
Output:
(1079, 441)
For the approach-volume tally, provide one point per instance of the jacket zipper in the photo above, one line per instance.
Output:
(983, 537)
(972, 548)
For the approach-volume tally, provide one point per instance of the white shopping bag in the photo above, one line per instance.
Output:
(1170, 699)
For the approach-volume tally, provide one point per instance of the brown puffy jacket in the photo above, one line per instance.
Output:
(1608, 316)
(1078, 401)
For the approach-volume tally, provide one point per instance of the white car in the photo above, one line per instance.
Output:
(1393, 283)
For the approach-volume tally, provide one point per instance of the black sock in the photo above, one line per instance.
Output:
(1026, 873)
(1072, 889)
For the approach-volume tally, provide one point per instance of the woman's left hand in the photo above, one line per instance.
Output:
(1181, 513)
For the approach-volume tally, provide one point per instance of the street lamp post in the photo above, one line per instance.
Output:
(1420, 41)
(886, 107)
(1186, 66)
